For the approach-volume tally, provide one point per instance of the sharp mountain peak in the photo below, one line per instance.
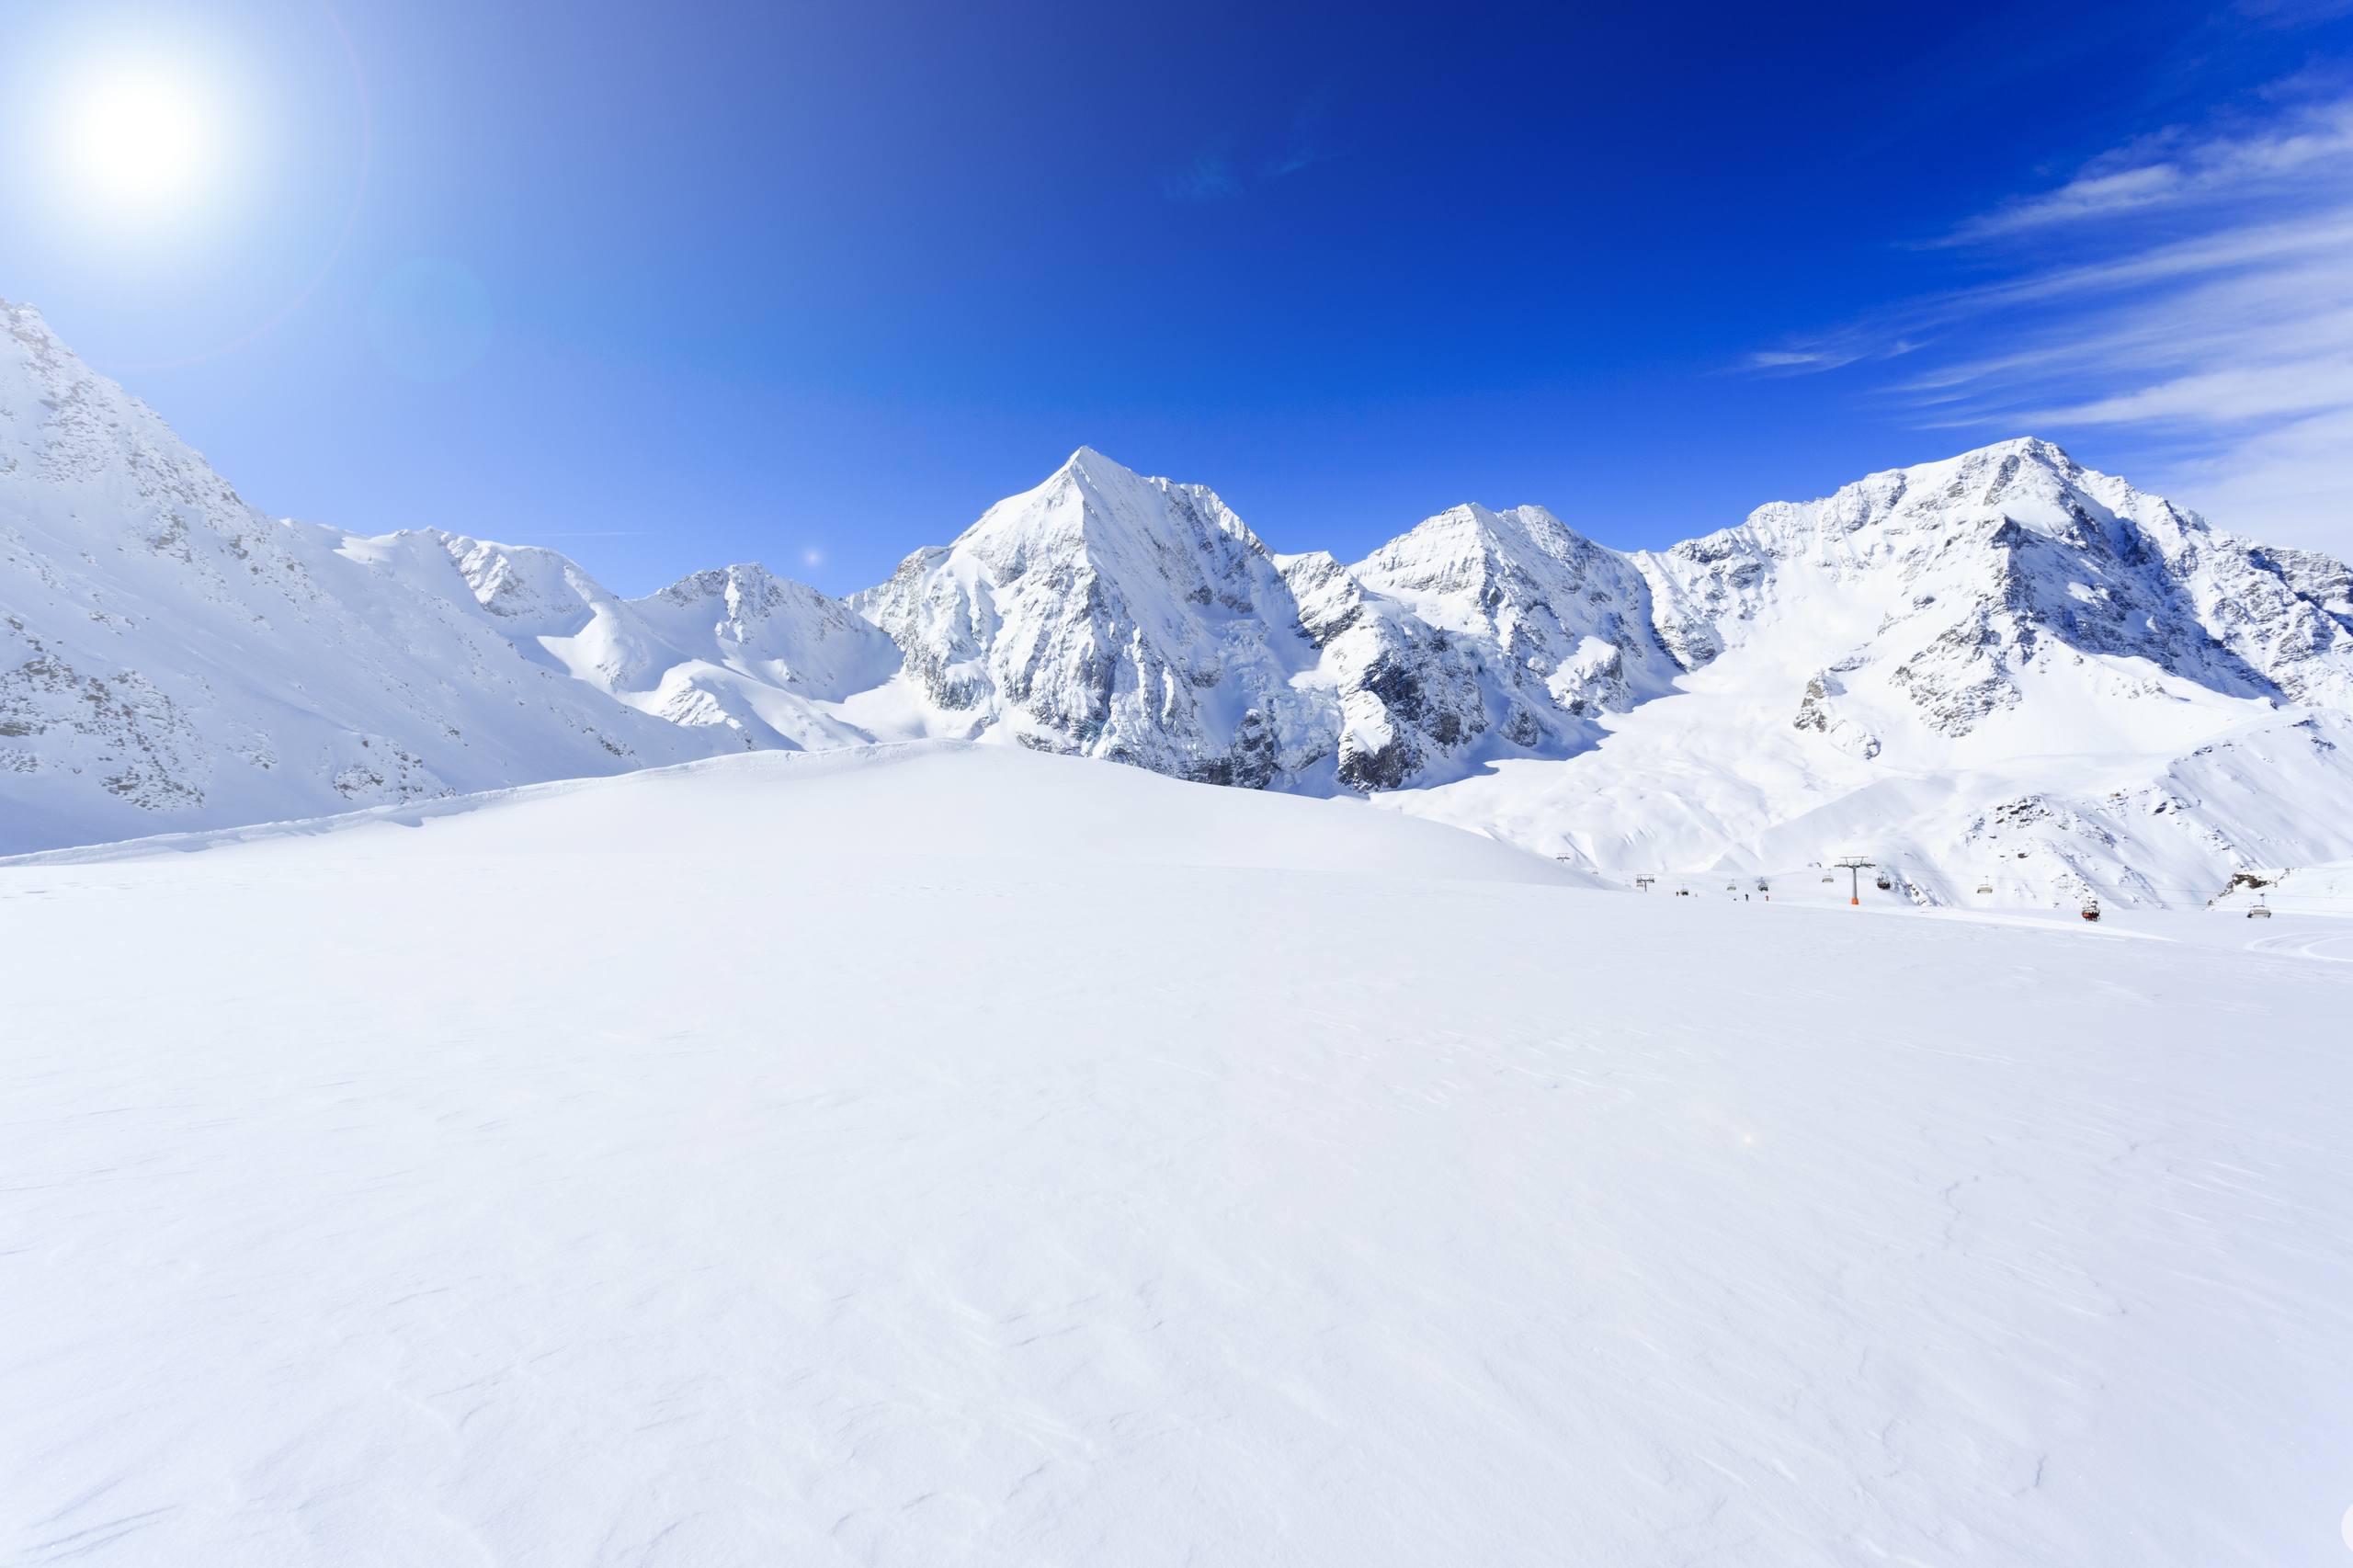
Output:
(171, 658)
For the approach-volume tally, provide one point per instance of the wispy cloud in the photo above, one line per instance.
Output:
(1801, 359)
(2201, 321)
(1209, 177)
(1829, 354)
(2176, 169)
(1309, 145)
(1218, 173)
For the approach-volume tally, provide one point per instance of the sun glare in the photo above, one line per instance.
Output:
(141, 141)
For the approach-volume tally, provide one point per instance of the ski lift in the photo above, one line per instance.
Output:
(1985, 887)
(2091, 909)
(1881, 883)
(1763, 886)
(1732, 887)
(1828, 878)
(2259, 910)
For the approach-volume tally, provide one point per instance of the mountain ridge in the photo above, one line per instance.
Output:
(170, 658)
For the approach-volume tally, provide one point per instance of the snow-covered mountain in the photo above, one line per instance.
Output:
(751, 656)
(2011, 560)
(2000, 671)
(2003, 672)
(1115, 616)
(170, 657)
(1109, 615)
(1566, 623)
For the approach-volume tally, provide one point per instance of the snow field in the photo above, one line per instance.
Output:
(931, 1156)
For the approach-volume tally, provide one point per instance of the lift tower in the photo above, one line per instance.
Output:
(1855, 866)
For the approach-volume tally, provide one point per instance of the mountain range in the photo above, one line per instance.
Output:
(2002, 672)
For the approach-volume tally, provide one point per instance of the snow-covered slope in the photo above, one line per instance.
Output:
(911, 1157)
(170, 657)
(749, 655)
(2002, 671)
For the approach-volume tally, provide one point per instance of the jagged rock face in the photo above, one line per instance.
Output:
(2008, 560)
(1114, 615)
(1818, 711)
(117, 727)
(1564, 622)
(1411, 694)
(170, 657)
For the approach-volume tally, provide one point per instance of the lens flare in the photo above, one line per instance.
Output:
(141, 139)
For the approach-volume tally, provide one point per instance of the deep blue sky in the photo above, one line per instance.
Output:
(668, 286)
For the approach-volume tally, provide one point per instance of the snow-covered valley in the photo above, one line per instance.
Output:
(948, 1154)
(2002, 671)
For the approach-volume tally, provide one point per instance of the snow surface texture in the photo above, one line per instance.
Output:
(2002, 671)
(930, 1156)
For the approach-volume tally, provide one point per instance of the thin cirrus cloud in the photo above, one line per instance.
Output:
(1209, 176)
(1217, 173)
(1801, 359)
(2169, 169)
(2199, 328)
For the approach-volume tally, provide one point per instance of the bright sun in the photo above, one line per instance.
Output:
(141, 138)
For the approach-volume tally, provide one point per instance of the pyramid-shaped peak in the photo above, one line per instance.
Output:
(1089, 463)
(1091, 490)
(1098, 509)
